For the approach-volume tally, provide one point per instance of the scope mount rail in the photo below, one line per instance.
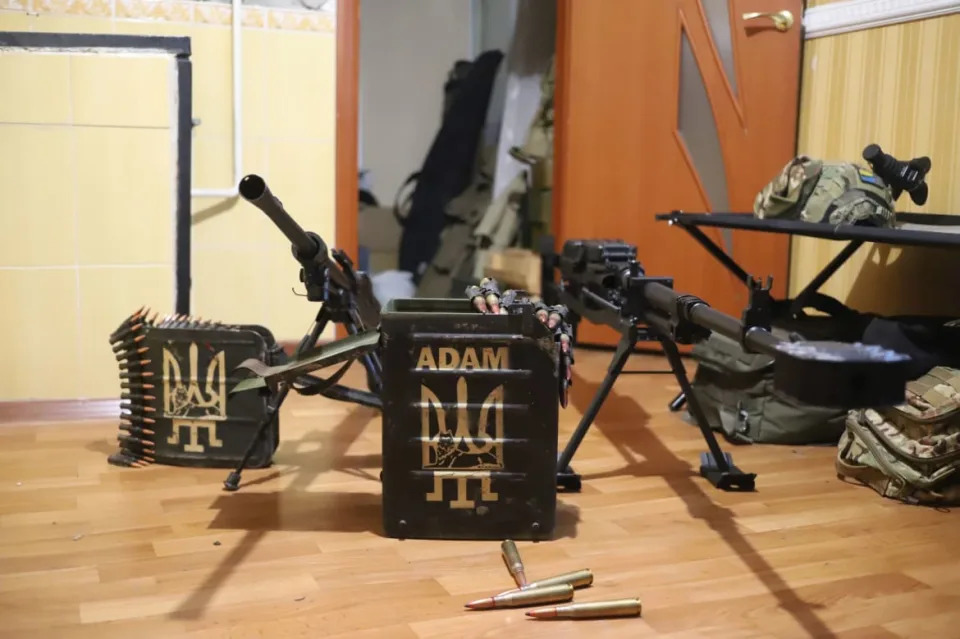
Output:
(346, 298)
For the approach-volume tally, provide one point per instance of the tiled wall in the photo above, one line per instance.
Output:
(72, 243)
(896, 86)
(87, 175)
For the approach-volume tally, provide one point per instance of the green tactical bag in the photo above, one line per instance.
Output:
(909, 452)
(735, 389)
(812, 190)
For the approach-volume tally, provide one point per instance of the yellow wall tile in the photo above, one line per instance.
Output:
(302, 177)
(107, 296)
(40, 83)
(72, 24)
(256, 89)
(231, 285)
(125, 204)
(37, 180)
(301, 81)
(212, 79)
(210, 55)
(212, 161)
(231, 223)
(39, 322)
(289, 313)
(242, 267)
(127, 90)
(12, 21)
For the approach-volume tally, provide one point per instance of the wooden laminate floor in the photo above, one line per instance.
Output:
(91, 550)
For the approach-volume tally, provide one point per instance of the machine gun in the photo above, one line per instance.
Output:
(602, 281)
(346, 298)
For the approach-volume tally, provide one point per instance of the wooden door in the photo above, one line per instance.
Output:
(674, 105)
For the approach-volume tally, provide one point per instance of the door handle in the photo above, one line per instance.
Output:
(782, 20)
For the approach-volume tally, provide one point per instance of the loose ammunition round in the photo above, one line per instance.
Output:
(590, 610)
(520, 598)
(491, 291)
(577, 579)
(511, 557)
(476, 297)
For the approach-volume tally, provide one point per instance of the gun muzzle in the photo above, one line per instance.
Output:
(254, 189)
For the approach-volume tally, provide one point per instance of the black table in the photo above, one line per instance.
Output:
(912, 229)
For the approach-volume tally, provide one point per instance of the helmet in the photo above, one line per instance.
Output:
(812, 190)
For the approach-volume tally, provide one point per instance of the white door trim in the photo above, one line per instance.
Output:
(855, 15)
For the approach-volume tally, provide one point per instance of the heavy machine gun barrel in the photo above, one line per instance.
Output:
(308, 248)
(254, 189)
(665, 299)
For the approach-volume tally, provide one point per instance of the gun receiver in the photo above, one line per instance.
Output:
(602, 281)
(909, 176)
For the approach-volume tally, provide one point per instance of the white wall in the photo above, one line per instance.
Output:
(406, 50)
(496, 23)
(531, 45)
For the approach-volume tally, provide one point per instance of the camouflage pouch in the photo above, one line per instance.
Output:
(812, 190)
(909, 452)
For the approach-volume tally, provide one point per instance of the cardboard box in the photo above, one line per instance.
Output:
(514, 268)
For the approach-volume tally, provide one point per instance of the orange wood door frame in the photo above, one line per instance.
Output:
(625, 150)
(346, 130)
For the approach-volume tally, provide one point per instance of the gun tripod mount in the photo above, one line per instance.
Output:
(601, 281)
(346, 298)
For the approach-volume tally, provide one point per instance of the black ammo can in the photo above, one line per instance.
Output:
(469, 422)
(195, 421)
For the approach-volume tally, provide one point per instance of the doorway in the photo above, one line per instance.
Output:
(680, 104)
(443, 92)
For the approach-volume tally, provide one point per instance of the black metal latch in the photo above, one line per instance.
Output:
(759, 311)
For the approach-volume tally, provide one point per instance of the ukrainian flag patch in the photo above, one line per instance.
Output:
(868, 176)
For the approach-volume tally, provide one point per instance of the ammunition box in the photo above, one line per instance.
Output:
(196, 422)
(469, 421)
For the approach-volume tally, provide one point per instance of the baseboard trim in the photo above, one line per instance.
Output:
(855, 15)
(58, 410)
(38, 411)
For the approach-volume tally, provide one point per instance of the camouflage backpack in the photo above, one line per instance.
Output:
(909, 452)
(812, 190)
